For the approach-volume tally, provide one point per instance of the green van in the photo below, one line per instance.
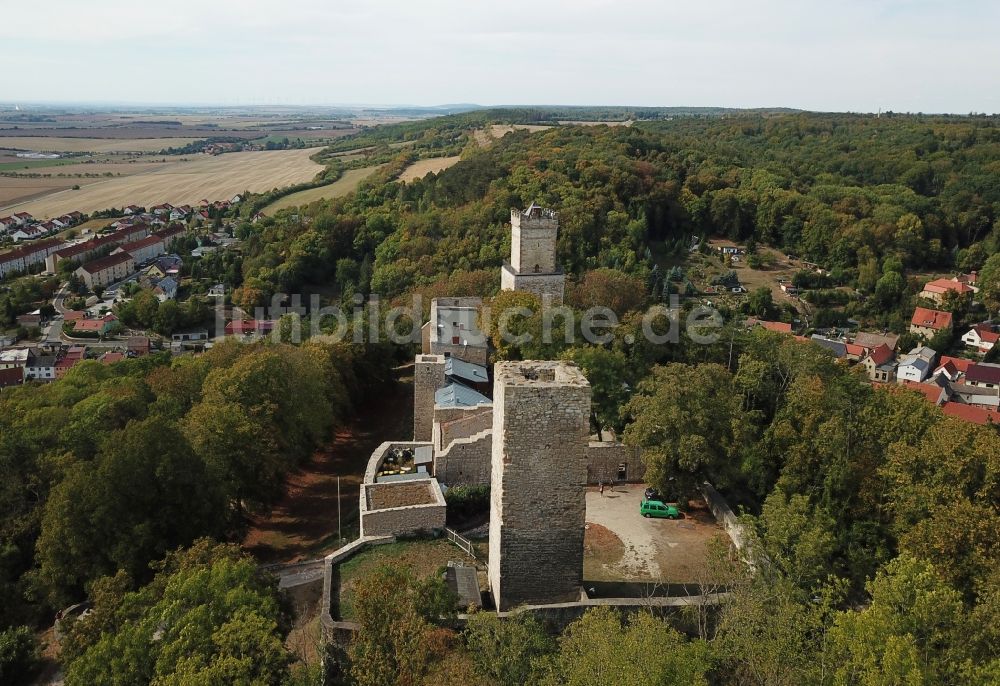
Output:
(654, 508)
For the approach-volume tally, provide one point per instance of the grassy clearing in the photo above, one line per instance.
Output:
(347, 183)
(422, 168)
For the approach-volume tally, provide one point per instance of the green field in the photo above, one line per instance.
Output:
(342, 186)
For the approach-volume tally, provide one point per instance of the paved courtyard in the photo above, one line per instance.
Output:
(622, 545)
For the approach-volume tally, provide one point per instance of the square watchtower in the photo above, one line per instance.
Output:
(532, 267)
(541, 425)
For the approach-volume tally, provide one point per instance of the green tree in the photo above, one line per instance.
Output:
(598, 649)
(506, 651)
(607, 371)
(691, 426)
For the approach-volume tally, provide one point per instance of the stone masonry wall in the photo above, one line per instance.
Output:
(428, 377)
(604, 457)
(401, 521)
(466, 461)
(473, 422)
(553, 285)
(541, 416)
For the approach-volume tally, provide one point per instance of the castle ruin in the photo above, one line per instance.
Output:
(532, 267)
(541, 414)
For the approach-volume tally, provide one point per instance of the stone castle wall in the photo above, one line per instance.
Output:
(474, 421)
(541, 285)
(466, 461)
(541, 414)
(428, 377)
(605, 457)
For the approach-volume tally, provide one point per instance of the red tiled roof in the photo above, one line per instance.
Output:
(880, 354)
(109, 358)
(12, 376)
(961, 364)
(105, 262)
(932, 319)
(986, 333)
(778, 327)
(970, 413)
(855, 350)
(931, 392)
(945, 285)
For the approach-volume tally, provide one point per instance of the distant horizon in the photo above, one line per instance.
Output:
(853, 56)
(9, 105)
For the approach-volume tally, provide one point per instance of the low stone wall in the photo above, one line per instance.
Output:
(379, 455)
(466, 461)
(604, 458)
(335, 631)
(426, 517)
(724, 516)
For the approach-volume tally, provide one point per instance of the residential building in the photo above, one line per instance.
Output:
(453, 330)
(22, 218)
(838, 348)
(916, 365)
(983, 375)
(11, 377)
(40, 368)
(106, 270)
(143, 249)
(982, 337)
(249, 327)
(880, 364)
(870, 341)
(138, 345)
(21, 260)
(99, 326)
(937, 290)
(111, 357)
(70, 359)
(165, 289)
(14, 358)
(927, 322)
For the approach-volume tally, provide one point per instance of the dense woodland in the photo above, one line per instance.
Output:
(873, 517)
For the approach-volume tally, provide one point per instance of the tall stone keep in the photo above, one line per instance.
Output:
(532, 267)
(538, 480)
(428, 377)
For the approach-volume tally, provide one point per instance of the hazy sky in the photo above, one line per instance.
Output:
(904, 55)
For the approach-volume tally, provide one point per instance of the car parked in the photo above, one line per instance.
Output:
(656, 508)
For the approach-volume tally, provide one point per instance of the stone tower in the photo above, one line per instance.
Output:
(428, 377)
(541, 424)
(532, 265)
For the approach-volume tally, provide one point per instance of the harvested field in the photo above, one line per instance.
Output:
(422, 168)
(14, 190)
(339, 188)
(213, 178)
(123, 167)
(73, 144)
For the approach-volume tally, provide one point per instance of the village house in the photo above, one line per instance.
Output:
(70, 359)
(106, 270)
(40, 368)
(6, 224)
(777, 327)
(982, 337)
(952, 368)
(162, 209)
(927, 322)
(111, 357)
(217, 291)
(249, 327)
(165, 289)
(870, 341)
(983, 375)
(138, 346)
(99, 326)
(14, 358)
(880, 363)
(22, 218)
(916, 365)
(132, 209)
(937, 290)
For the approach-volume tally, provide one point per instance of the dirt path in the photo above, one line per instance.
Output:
(303, 523)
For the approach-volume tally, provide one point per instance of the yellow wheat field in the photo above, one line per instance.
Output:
(211, 178)
(348, 181)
